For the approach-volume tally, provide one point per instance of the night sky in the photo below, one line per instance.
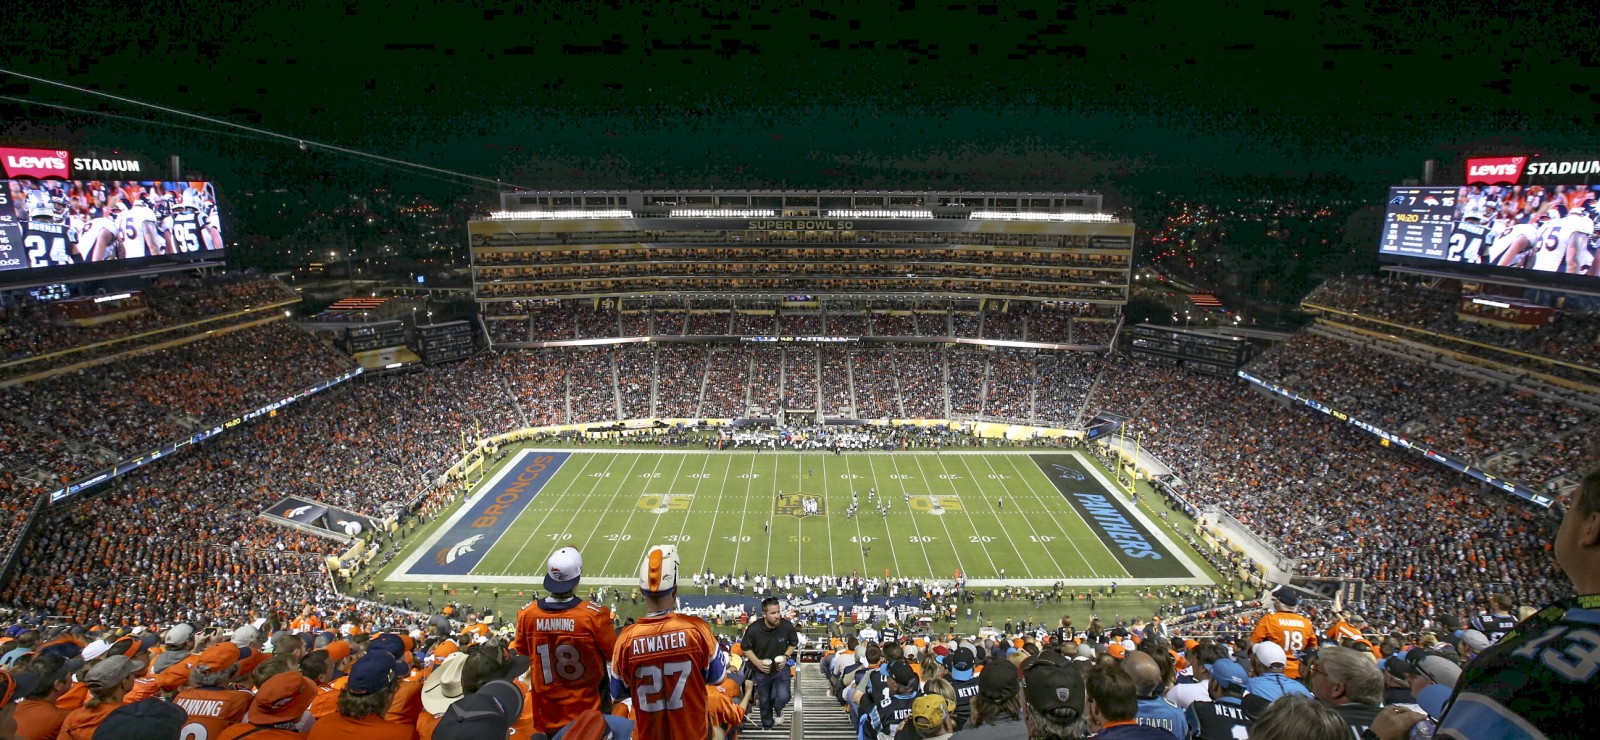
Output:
(1170, 96)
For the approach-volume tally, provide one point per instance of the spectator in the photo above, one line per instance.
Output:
(1203, 654)
(997, 707)
(365, 700)
(933, 717)
(1519, 675)
(894, 706)
(147, 719)
(769, 644)
(1269, 683)
(488, 712)
(1113, 705)
(108, 681)
(1299, 718)
(37, 715)
(1154, 709)
(569, 641)
(1225, 715)
(1289, 630)
(278, 711)
(1055, 695)
(1349, 682)
(658, 582)
(210, 701)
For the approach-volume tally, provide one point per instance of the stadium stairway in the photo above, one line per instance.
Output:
(811, 714)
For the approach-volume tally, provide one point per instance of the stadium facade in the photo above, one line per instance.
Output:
(823, 252)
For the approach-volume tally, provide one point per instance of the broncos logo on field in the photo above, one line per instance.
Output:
(793, 504)
(449, 554)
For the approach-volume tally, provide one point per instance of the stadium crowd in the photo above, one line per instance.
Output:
(180, 540)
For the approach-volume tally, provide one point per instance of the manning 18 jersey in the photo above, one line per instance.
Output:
(567, 643)
(1292, 632)
(664, 664)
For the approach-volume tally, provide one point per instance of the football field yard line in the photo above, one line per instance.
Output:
(904, 491)
(771, 512)
(649, 540)
(993, 568)
(1005, 488)
(999, 519)
(860, 546)
(531, 532)
(689, 515)
(744, 513)
(727, 468)
(887, 536)
(827, 516)
(1049, 507)
(950, 538)
(621, 487)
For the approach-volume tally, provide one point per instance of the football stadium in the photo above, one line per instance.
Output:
(1001, 451)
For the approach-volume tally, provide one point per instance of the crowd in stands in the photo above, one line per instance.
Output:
(181, 539)
(1471, 417)
(1570, 337)
(27, 329)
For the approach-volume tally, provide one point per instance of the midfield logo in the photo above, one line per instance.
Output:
(793, 504)
(661, 503)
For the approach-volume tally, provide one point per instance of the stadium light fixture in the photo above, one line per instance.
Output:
(1067, 217)
(721, 213)
(555, 215)
(1496, 304)
(880, 213)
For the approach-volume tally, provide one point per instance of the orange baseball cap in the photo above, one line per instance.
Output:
(338, 650)
(1117, 651)
(220, 656)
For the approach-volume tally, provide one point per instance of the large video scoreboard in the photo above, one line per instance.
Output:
(1031, 246)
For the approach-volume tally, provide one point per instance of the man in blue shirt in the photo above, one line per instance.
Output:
(1154, 709)
(1268, 659)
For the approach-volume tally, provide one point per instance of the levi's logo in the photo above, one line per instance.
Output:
(34, 162)
(1495, 169)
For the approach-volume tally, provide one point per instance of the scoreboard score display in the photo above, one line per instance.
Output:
(1418, 221)
(68, 223)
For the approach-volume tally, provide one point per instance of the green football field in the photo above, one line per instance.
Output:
(1012, 518)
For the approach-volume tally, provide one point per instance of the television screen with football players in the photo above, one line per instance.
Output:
(62, 223)
(1538, 230)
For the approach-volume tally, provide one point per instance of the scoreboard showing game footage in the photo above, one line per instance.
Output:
(65, 223)
(1539, 231)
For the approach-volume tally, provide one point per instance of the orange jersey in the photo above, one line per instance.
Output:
(723, 711)
(213, 709)
(327, 701)
(406, 705)
(567, 644)
(664, 663)
(308, 623)
(1292, 632)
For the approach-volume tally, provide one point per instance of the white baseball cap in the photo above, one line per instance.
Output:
(565, 567)
(1270, 654)
(658, 574)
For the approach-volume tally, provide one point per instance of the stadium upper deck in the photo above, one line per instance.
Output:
(1032, 246)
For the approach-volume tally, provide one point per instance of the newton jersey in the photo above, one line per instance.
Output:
(663, 663)
(567, 644)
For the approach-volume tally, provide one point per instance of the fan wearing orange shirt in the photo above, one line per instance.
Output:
(213, 705)
(366, 697)
(1289, 630)
(568, 641)
(307, 621)
(664, 661)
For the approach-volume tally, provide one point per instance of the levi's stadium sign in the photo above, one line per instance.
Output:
(60, 164)
(1512, 170)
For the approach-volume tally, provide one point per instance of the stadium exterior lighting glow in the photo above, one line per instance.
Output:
(554, 215)
(722, 213)
(1496, 304)
(1067, 217)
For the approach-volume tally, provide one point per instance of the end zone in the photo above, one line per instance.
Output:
(458, 546)
(1140, 547)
